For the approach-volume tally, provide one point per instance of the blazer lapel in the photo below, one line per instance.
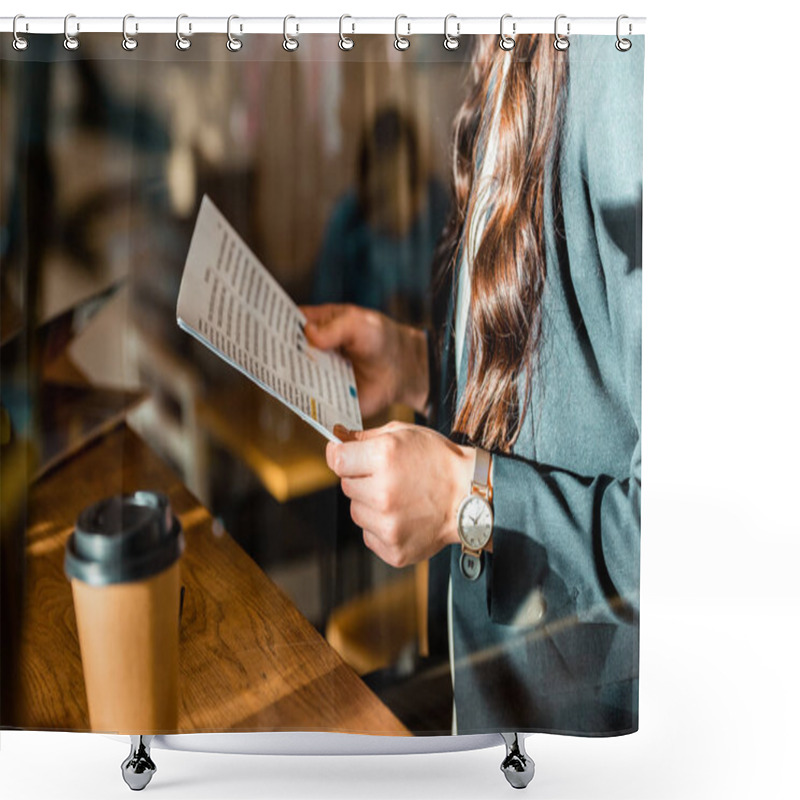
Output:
(444, 409)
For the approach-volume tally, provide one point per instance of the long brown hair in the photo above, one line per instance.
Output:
(508, 267)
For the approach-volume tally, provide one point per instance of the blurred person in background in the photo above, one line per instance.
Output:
(379, 242)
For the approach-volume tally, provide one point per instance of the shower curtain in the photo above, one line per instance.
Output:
(480, 206)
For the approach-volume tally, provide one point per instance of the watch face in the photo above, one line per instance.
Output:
(475, 522)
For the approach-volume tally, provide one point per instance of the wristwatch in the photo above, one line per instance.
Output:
(475, 518)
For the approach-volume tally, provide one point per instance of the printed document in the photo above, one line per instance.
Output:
(230, 302)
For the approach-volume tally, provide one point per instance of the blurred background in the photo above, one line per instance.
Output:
(334, 169)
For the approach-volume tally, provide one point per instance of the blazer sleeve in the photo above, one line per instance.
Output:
(586, 527)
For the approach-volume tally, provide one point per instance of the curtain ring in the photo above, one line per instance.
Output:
(128, 42)
(290, 43)
(623, 45)
(451, 42)
(233, 44)
(181, 42)
(20, 42)
(401, 42)
(345, 42)
(70, 42)
(507, 42)
(561, 42)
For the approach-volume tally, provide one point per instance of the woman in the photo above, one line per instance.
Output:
(539, 337)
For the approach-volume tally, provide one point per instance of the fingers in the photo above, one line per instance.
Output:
(354, 459)
(347, 435)
(370, 492)
(343, 433)
(390, 555)
(373, 543)
(333, 326)
(363, 453)
(365, 517)
(321, 313)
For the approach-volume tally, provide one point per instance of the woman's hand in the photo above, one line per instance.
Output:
(405, 483)
(390, 360)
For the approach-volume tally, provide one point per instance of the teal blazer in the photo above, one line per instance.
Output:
(547, 638)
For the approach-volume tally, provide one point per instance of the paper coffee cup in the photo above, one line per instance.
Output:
(123, 560)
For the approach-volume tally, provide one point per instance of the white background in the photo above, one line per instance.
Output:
(720, 601)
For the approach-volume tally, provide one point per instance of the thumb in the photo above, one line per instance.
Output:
(346, 435)
(361, 436)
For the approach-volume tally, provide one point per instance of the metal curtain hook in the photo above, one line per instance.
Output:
(507, 42)
(561, 42)
(290, 43)
(621, 44)
(181, 42)
(345, 42)
(451, 42)
(401, 42)
(128, 41)
(233, 44)
(20, 42)
(70, 42)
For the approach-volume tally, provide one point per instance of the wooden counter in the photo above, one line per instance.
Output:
(287, 455)
(249, 661)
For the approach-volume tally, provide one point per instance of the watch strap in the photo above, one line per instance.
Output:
(480, 477)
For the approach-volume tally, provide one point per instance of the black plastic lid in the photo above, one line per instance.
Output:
(124, 538)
